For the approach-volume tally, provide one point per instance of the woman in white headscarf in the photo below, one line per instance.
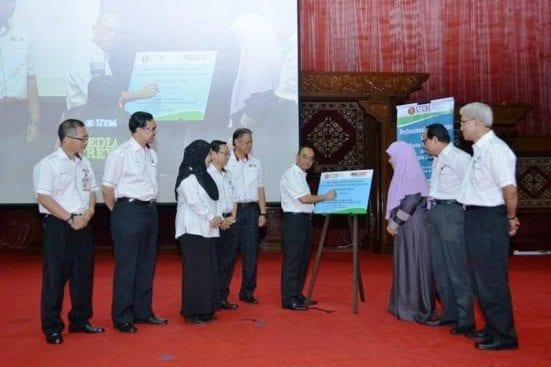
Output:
(260, 63)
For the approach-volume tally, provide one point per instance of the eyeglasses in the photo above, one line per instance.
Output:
(465, 120)
(84, 139)
(226, 153)
(152, 129)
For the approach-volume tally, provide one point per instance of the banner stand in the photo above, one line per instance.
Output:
(357, 284)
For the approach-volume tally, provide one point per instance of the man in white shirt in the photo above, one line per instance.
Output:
(65, 185)
(226, 250)
(94, 60)
(489, 195)
(19, 104)
(298, 204)
(446, 231)
(248, 193)
(130, 188)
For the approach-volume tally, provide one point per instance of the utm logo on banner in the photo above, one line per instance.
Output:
(412, 120)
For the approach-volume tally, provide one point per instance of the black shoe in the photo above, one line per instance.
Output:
(458, 329)
(126, 327)
(54, 338)
(87, 328)
(248, 299)
(439, 322)
(308, 302)
(151, 321)
(208, 318)
(296, 306)
(478, 335)
(496, 345)
(228, 306)
(195, 319)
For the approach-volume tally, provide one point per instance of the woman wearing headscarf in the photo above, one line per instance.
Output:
(411, 295)
(197, 223)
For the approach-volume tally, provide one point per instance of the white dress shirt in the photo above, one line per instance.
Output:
(293, 186)
(492, 168)
(132, 171)
(448, 171)
(195, 210)
(247, 178)
(16, 62)
(79, 72)
(225, 189)
(68, 182)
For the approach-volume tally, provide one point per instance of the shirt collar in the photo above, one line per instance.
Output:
(59, 153)
(137, 145)
(233, 156)
(484, 139)
(5, 28)
(212, 169)
(298, 170)
(447, 149)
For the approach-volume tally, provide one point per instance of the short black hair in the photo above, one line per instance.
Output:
(439, 131)
(215, 145)
(139, 119)
(304, 147)
(67, 126)
(237, 134)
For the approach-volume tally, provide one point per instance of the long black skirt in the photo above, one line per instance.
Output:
(199, 275)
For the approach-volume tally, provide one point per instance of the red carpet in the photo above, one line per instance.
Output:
(264, 334)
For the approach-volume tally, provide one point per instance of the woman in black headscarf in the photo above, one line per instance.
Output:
(197, 223)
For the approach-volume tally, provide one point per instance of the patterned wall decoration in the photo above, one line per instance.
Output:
(534, 182)
(336, 132)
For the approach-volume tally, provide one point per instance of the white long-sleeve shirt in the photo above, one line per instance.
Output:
(195, 210)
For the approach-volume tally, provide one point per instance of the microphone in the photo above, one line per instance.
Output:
(97, 68)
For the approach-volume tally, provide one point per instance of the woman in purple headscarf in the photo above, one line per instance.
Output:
(411, 295)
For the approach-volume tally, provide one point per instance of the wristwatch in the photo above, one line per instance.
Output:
(71, 220)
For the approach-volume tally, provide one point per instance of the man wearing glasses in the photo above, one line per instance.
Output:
(130, 188)
(65, 185)
(94, 59)
(489, 196)
(226, 250)
(298, 204)
(446, 231)
(248, 193)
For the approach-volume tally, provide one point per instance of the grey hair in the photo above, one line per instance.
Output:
(479, 111)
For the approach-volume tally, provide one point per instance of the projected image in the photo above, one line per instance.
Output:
(202, 68)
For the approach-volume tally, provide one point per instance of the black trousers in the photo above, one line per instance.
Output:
(244, 236)
(67, 255)
(226, 252)
(199, 278)
(297, 240)
(134, 228)
(449, 263)
(487, 240)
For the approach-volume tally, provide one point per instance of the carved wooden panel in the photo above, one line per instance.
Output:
(349, 120)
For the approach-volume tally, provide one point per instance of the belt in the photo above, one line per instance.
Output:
(225, 215)
(247, 204)
(443, 202)
(298, 214)
(473, 207)
(137, 201)
(49, 215)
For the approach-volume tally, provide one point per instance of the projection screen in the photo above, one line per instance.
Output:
(202, 67)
